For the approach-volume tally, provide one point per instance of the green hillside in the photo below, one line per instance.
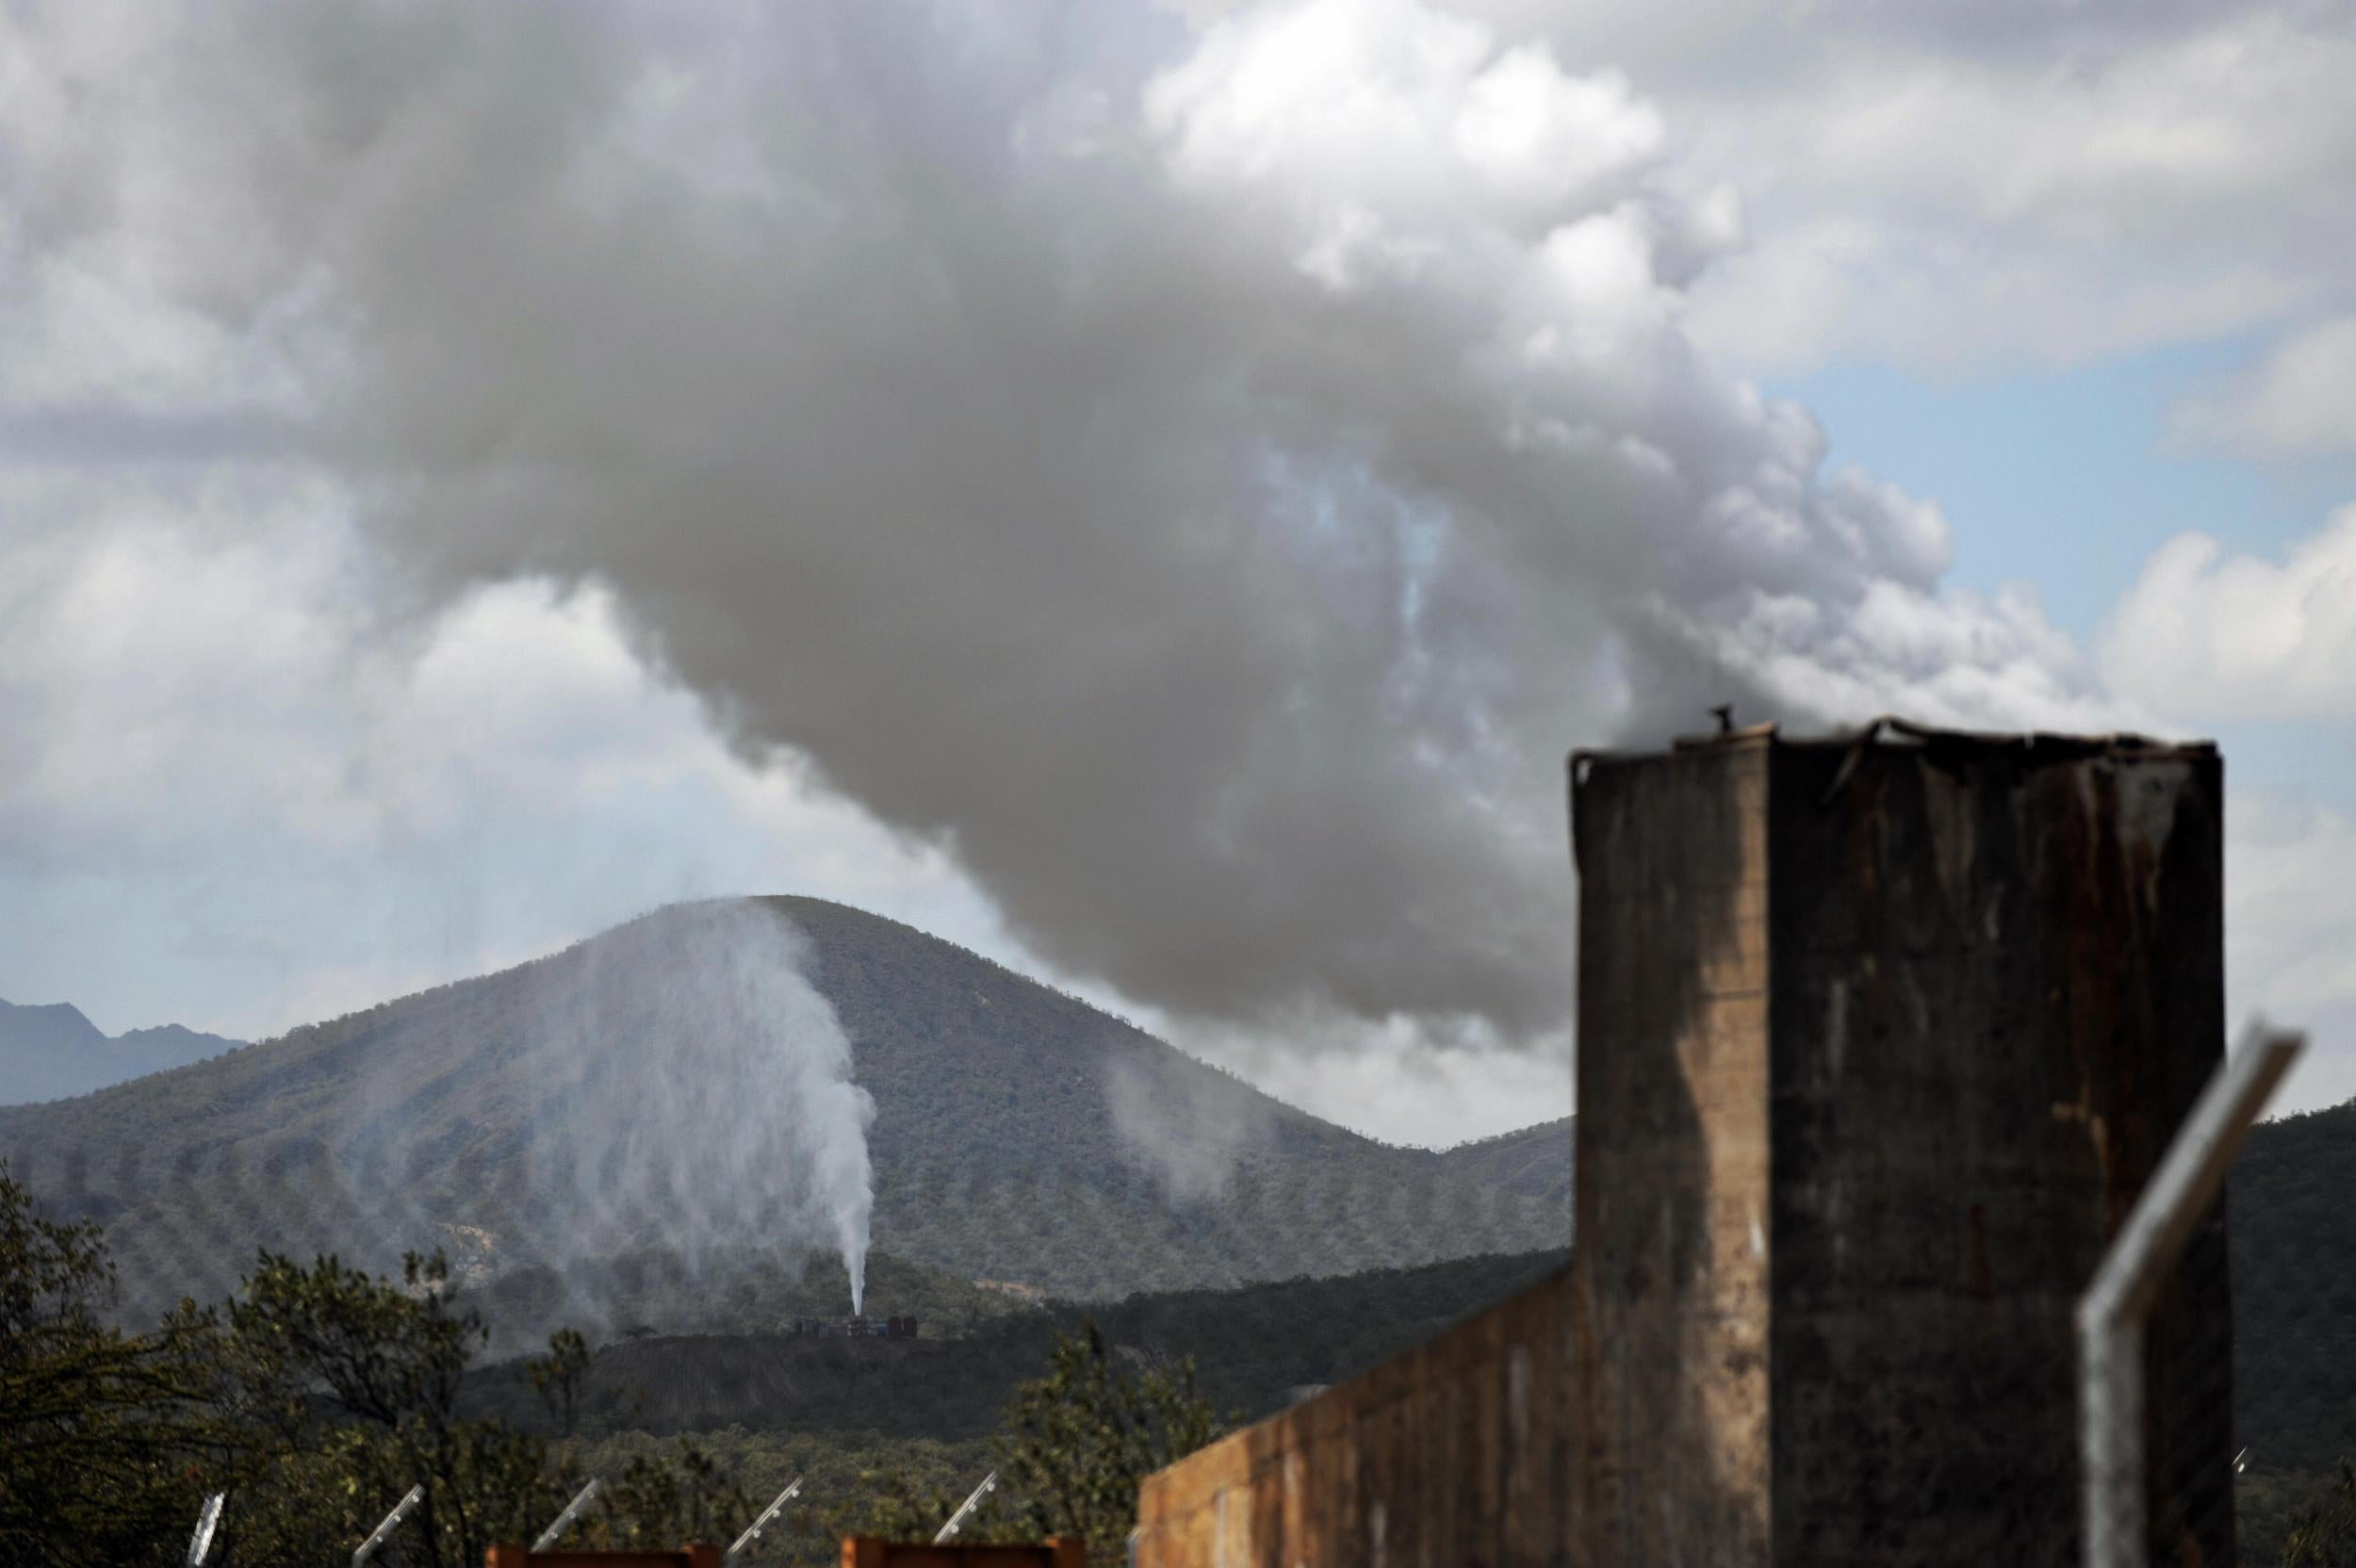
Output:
(1254, 1348)
(2292, 1207)
(1534, 1162)
(1019, 1135)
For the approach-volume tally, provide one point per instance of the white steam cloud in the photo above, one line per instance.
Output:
(1206, 475)
(1186, 1128)
(690, 1090)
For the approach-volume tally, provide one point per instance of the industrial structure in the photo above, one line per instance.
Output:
(1880, 1037)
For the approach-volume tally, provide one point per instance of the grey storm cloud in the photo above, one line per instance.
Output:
(1206, 475)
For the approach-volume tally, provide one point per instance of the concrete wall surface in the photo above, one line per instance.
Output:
(1458, 1452)
(1879, 1037)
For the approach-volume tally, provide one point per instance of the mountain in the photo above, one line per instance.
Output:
(1534, 1162)
(2291, 1205)
(55, 1052)
(667, 1085)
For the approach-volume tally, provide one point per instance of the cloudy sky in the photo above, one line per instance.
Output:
(1150, 491)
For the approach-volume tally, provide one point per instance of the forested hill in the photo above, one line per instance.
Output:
(2292, 1209)
(1535, 1161)
(1020, 1136)
(1254, 1348)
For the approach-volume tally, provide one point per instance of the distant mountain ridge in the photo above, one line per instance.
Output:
(1535, 1162)
(1019, 1135)
(54, 1051)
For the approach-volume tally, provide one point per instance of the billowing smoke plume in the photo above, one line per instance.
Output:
(1207, 474)
(684, 1088)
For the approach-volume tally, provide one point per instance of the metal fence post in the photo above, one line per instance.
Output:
(2112, 1313)
(752, 1531)
(562, 1521)
(956, 1520)
(207, 1523)
(392, 1522)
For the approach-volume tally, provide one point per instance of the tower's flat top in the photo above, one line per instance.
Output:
(1891, 730)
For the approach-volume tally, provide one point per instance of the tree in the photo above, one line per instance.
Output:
(660, 1504)
(103, 1435)
(318, 1396)
(2324, 1533)
(1078, 1441)
(349, 1386)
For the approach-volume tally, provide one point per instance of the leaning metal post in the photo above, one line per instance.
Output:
(563, 1521)
(752, 1531)
(2112, 1313)
(956, 1520)
(208, 1522)
(392, 1522)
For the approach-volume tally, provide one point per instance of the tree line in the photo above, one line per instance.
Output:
(318, 1395)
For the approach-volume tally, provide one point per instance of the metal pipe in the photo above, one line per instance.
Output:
(2112, 1313)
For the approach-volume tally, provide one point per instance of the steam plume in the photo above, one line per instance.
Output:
(691, 1091)
(1207, 476)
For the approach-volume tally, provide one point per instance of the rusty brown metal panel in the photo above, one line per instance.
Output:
(871, 1552)
(1997, 987)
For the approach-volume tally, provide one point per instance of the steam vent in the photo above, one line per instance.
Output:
(1880, 1037)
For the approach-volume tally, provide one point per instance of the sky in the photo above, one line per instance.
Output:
(1148, 491)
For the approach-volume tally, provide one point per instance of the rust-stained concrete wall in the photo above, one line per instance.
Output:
(1457, 1452)
(1998, 988)
(1671, 1268)
(1878, 1040)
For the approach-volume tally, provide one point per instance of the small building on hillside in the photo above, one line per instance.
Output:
(859, 1327)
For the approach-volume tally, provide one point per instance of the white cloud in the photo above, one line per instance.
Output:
(1186, 487)
(2298, 401)
(2206, 635)
(1400, 1080)
(1950, 187)
(233, 794)
(2291, 936)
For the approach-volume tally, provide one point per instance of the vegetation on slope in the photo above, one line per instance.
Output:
(1020, 1136)
(318, 1395)
(1254, 1348)
(1535, 1162)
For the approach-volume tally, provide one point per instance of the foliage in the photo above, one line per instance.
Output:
(351, 1383)
(659, 1502)
(2292, 1243)
(1253, 1349)
(897, 1504)
(1079, 1440)
(320, 1392)
(317, 1396)
(2323, 1534)
(98, 1429)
